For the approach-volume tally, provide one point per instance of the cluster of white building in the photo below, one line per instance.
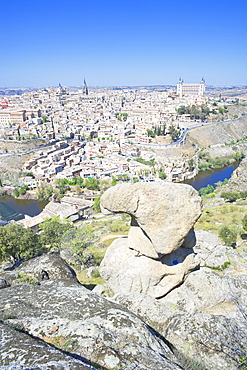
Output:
(104, 126)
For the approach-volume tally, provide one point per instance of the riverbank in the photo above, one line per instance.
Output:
(28, 207)
(211, 177)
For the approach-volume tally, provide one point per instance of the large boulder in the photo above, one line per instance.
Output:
(162, 214)
(48, 267)
(203, 318)
(85, 324)
(158, 253)
(126, 271)
(208, 247)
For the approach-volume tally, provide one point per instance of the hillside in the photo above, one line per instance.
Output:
(218, 134)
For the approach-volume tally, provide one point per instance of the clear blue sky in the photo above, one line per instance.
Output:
(130, 42)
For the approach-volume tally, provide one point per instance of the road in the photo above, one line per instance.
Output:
(181, 139)
(177, 142)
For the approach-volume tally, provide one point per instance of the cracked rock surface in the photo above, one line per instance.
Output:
(83, 323)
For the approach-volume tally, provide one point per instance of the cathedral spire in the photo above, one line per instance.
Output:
(84, 88)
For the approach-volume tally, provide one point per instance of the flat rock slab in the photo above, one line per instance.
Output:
(81, 322)
(20, 351)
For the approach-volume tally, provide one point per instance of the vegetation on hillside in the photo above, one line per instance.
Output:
(206, 162)
(17, 242)
(195, 112)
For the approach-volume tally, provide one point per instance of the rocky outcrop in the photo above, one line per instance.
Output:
(162, 214)
(37, 270)
(159, 241)
(125, 271)
(77, 321)
(49, 267)
(209, 249)
(203, 318)
(238, 180)
(19, 350)
(200, 312)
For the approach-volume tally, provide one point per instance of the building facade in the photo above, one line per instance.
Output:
(12, 116)
(190, 89)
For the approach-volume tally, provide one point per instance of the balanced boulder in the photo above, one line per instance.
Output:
(158, 254)
(162, 214)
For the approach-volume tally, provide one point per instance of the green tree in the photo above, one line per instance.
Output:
(207, 190)
(174, 132)
(44, 191)
(29, 174)
(16, 193)
(221, 110)
(77, 181)
(62, 185)
(238, 156)
(53, 230)
(17, 243)
(77, 239)
(163, 130)
(91, 184)
(150, 133)
(114, 181)
(227, 235)
(105, 184)
(125, 116)
(44, 118)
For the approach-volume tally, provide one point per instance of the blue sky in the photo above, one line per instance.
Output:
(111, 42)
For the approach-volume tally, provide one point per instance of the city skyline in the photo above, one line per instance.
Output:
(110, 44)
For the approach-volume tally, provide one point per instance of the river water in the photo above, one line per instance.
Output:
(34, 207)
(211, 177)
(24, 206)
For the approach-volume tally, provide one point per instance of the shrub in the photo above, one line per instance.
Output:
(207, 190)
(95, 274)
(230, 196)
(227, 235)
(23, 278)
(162, 175)
(96, 205)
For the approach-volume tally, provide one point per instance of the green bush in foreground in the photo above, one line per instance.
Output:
(227, 235)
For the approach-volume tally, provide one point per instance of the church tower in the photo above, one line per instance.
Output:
(84, 89)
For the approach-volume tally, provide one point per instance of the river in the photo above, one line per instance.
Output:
(24, 206)
(211, 177)
(34, 207)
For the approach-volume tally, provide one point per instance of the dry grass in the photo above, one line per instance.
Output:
(88, 281)
(227, 214)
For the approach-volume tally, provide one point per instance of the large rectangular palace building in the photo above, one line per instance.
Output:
(190, 89)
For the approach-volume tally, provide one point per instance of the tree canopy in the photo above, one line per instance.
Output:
(195, 111)
(17, 243)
